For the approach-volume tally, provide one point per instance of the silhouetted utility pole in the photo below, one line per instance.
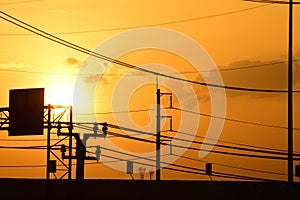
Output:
(158, 135)
(290, 85)
(158, 118)
(48, 142)
(70, 143)
(290, 97)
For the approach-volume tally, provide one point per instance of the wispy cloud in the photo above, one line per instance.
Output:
(14, 65)
(110, 74)
(59, 11)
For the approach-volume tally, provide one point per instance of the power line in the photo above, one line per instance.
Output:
(255, 66)
(25, 140)
(105, 149)
(203, 114)
(267, 150)
(131, 130)
(23, 147)
(100, 56)
(115, 112)
(22, 166)
(279, 152)
(260, 149)
(252, 149)
(239, 68)
(120, 135)
(22, 140)
(19, 2)
(198, 160)
(192, 112)
(142, 163)
(197, 136)
(233, 167)
(177, 165)
(236, 154)
(110, 74)
(196, 149)
(228, 147)
(190, 170)
(235, 143)
(272, 2)
(149, 25)
(36, 72)
(234, 120)
(223, 141)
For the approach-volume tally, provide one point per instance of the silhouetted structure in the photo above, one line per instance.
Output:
(145, 189)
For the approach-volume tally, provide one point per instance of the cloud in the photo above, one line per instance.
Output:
(265, 75)
(91, 78)
(14, 65)
(111, 73)
(245, 74)
(72, 62)
(58, 11)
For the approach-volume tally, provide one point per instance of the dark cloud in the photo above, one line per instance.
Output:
(256, 74)
(265, 76)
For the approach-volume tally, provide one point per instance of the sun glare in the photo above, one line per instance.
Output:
(59, 94)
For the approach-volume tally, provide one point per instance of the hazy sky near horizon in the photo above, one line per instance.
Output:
(234, 33)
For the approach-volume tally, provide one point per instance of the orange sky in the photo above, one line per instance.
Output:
(232, 36)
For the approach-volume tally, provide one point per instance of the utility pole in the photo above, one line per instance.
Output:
(158, 118)
(158, 135)
(290, 85)
(290, 96)
(70, 143)
(48, 141)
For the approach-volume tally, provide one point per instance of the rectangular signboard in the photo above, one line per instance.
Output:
(26, 112)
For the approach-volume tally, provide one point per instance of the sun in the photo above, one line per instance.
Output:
(59, 94)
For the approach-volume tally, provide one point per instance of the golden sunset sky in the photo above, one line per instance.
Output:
(235, 33)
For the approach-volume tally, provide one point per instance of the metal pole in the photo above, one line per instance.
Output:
(290, 95)
(48, 142)
(70, 144)
(158, 135)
